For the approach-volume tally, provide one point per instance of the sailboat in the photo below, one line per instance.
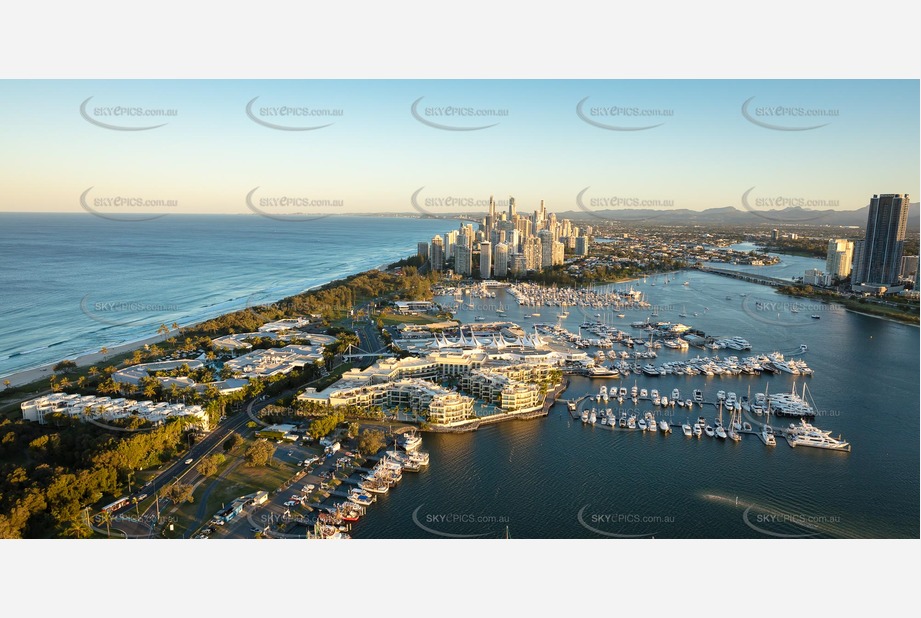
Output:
(767, 432)
(718, 429)
(684, 312)
(735, 424)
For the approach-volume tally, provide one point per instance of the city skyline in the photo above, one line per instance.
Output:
(393, 146)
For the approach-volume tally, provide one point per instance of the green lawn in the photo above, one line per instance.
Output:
(392, 318)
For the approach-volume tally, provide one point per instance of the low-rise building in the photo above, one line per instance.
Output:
(93, 408)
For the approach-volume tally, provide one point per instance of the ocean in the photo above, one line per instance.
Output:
(73, 283)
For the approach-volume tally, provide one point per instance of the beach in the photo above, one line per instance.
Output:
(28, 376)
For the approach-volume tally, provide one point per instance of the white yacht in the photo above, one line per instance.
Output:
(686, 428)
(410, 441)
(697, 429)
(720, 432)
(676, 394)
(698, 396)
(806, 434)
(664, 427)
(767, 435)
(709, 431)
(584, 416)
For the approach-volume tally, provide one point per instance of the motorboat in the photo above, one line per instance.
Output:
(686, 428)
(806, 434)
(664, 427)
(709, 431)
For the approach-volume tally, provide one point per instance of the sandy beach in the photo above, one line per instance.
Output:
(38, 373)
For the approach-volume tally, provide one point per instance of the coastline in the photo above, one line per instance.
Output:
(32, 375)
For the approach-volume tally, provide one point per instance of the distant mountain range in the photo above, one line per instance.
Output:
(733, 215)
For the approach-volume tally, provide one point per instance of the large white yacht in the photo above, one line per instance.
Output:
(806, 434)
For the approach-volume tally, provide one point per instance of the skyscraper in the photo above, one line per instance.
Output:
(463, 259)
(839, 258)
(500, 265)
(546, 248)
(532, 253)
(582, 245)
(437, 253)
(422, 250)
(485, 260)
(881, 257)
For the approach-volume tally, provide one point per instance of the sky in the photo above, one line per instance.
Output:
(660, 143)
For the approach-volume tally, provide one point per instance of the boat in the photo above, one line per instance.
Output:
(698, 396)
(806, 434)
(641, 424)
(815, 317)
(686, 428)
(592, 417)
(676, 394)
(664, 427)
(602, 372)
(767, 435)
(709, 431)
(720, 432)
(584, 416)
(410, 441)
(571, 405)
(697, 429)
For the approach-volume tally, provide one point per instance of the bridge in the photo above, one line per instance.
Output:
(353, 352)
(745, 276)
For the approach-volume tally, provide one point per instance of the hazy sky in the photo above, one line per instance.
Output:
(376, 153)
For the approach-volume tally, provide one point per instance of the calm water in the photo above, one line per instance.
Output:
(547, 478)
(73, 283)
(558, 478)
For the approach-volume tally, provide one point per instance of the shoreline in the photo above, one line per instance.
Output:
(25, 377)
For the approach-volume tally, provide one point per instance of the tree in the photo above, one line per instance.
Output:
(209, 465)
(371, 441)
(259, 454)
(65, 366)
(233, 441)
(105, 353)
(179, 493)
(353, 430)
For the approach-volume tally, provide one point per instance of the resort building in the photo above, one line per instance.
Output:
(90, 408)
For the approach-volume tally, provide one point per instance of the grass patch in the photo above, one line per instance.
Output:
(390, 319)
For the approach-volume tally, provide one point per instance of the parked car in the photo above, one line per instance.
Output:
(188, 461)
(291, 503)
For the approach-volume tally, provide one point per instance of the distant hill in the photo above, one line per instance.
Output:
(733, 215)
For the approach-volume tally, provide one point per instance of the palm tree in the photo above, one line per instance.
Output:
(107, 518)
(6, 383)
(105, 352)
